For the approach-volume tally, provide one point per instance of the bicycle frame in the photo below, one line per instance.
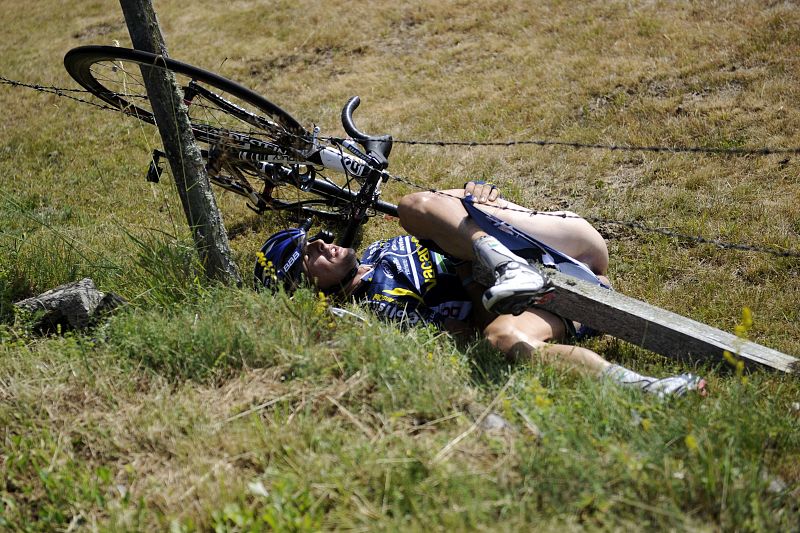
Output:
(359, 202)
(271, 160)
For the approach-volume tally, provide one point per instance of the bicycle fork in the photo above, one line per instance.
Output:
(365, 198)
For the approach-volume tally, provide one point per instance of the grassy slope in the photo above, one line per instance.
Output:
(127, 427)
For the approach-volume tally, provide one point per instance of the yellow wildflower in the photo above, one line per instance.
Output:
(691, 442)
(747, 317)
(542, 401)
(742, 328)
(322, 303)
(729, 357)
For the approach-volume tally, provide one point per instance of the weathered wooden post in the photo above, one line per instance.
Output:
(656, 329)
(186, 164)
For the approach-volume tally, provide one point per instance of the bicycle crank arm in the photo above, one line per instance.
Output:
(156, 167)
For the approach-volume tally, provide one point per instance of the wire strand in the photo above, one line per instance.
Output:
(634, 225)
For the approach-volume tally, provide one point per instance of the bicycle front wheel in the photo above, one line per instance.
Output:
(220, 110)
(225, 117)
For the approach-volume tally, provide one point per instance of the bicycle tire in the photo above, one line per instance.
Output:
(104, 72)
(85, 63)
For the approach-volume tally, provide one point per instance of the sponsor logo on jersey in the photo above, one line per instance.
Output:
(394, 312)
(387, 270)
(426, 265)
(455, 310)
(400, 292)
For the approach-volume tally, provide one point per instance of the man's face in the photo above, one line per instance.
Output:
(327, 264)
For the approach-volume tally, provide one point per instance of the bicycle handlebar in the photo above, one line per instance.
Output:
(377, 146)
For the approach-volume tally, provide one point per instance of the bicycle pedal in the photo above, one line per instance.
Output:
(545, 298)
(154, 172)
(519, 308)
(156, 167)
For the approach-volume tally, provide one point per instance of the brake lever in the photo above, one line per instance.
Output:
(373, 159)
(353, 148)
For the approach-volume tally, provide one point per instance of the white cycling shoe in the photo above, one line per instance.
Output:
(676, 385)
(517, 287)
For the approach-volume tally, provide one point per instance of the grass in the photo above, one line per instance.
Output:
(200, 407)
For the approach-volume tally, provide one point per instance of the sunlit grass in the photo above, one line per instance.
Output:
(199, 407)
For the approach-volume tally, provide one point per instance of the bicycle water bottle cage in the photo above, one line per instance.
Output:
(302, 180)
(378, 147)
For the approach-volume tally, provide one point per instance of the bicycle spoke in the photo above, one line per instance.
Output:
(253, 148)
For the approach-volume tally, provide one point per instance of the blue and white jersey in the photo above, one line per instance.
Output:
(411, 283)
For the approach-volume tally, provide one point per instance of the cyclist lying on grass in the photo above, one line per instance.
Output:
(476, 284)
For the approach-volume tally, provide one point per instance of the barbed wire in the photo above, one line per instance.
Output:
(600, 146)
(63, 92)
(633, 225)
(41, 88)
(58, 91)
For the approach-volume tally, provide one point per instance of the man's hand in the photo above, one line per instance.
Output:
(483, 191)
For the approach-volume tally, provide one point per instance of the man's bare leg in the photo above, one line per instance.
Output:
(442, 218)
(517, 285)
(526, 337)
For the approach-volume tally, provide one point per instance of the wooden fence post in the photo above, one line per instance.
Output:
(194, 189)
(656, 329)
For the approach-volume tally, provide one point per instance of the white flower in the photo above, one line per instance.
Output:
(258, 488)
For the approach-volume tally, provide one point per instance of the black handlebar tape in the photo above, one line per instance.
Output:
(380, 145)
(347, 120)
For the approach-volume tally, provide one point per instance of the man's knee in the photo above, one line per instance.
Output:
(512, 342)
(413, 206)
(528, 332)
(415, 211)
(504, 335)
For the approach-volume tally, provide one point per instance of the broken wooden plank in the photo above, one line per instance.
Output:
(655, 329)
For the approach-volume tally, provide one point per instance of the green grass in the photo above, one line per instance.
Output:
(201, 407)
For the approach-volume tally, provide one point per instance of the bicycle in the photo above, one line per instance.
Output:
(251, 146)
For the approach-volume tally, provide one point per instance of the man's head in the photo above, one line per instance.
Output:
(287, 256)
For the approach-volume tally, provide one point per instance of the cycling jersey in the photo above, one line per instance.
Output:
(412, 283)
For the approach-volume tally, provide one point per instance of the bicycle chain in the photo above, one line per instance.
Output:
(636, 226)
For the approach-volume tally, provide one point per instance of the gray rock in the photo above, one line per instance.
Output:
(73, 305)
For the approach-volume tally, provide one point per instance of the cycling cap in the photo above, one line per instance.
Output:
(280, 260)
